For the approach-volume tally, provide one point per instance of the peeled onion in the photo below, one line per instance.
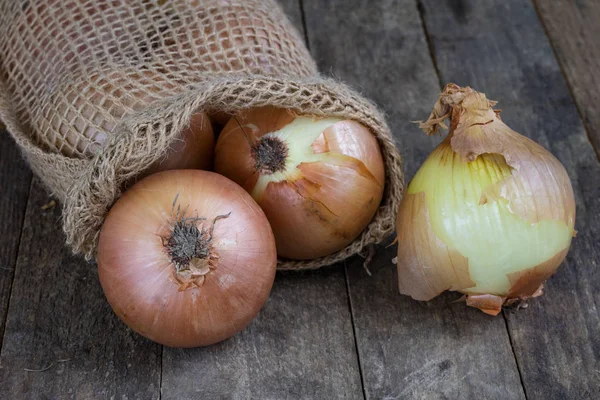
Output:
(490, 213)
(186, 258)
(319, 181)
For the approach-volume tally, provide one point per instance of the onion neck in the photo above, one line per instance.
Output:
(187, 246)
(190, 250)
(459, 105)
(293, 144)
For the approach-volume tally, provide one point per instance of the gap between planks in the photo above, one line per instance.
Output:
(579, 103)
(13, 268)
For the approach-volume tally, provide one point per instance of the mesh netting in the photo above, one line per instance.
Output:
(95, 91)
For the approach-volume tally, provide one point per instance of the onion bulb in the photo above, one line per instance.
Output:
(186, 258)
(237, 38)
(57, 35)
(79, 118)
(490, 213)
(319, 181)
(193, 149)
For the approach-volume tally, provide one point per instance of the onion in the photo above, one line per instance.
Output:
(490, 213)
(57, 35)
(85, 114)
(193, 150)
(230, 40)
(220, 118)
(319, 181)
(186, 258)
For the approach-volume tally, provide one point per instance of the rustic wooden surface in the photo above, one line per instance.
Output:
(338, 332)
(62, 340)
(574, 29)
(15, 181)
(406, 349)
(501, 49)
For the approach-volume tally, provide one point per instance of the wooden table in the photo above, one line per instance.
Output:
(338, 332)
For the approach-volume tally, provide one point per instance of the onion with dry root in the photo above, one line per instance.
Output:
(186, 258)
(490, 213)
(319, 181)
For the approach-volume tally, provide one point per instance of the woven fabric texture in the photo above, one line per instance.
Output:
(96, 91)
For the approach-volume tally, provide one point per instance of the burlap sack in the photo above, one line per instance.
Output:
(94, 91)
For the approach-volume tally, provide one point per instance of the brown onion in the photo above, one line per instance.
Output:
(80, 117)
(234, 40)
(186, 258)
(48, 39)
(319, 181)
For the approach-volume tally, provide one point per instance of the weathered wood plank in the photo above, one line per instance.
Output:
(407, 349)
(500, 48)
(300, 346)
(59, 321)
(15, 180)
(574, 31)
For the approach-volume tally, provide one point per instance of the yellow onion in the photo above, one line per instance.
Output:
(319, 181)
(490, 213)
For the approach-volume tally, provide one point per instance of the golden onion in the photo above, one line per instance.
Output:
(490, 213)
(318, 180)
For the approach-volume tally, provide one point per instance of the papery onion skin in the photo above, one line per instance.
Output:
(138, 274)
(490, 213)
(329, 189)
(194, 149)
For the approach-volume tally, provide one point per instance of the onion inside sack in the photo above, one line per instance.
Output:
(237, 39)
(490, 213)
(319, 181)
(51, 37)
(186, 258)
(81, 117)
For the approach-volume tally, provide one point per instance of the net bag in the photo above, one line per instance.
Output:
(95, 91)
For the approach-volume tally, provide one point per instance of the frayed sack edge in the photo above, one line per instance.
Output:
(143, 138)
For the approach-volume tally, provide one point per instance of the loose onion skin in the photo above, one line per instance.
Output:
(149, 277)
(319, 181)
(490, 213)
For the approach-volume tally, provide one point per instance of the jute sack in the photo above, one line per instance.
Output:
(95, 91)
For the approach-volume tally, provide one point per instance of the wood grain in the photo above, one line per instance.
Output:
(300, 346)
(303, 344)
(15, 180)
(500, 48)
(60, 326)
(574, 31)
(407, 349)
